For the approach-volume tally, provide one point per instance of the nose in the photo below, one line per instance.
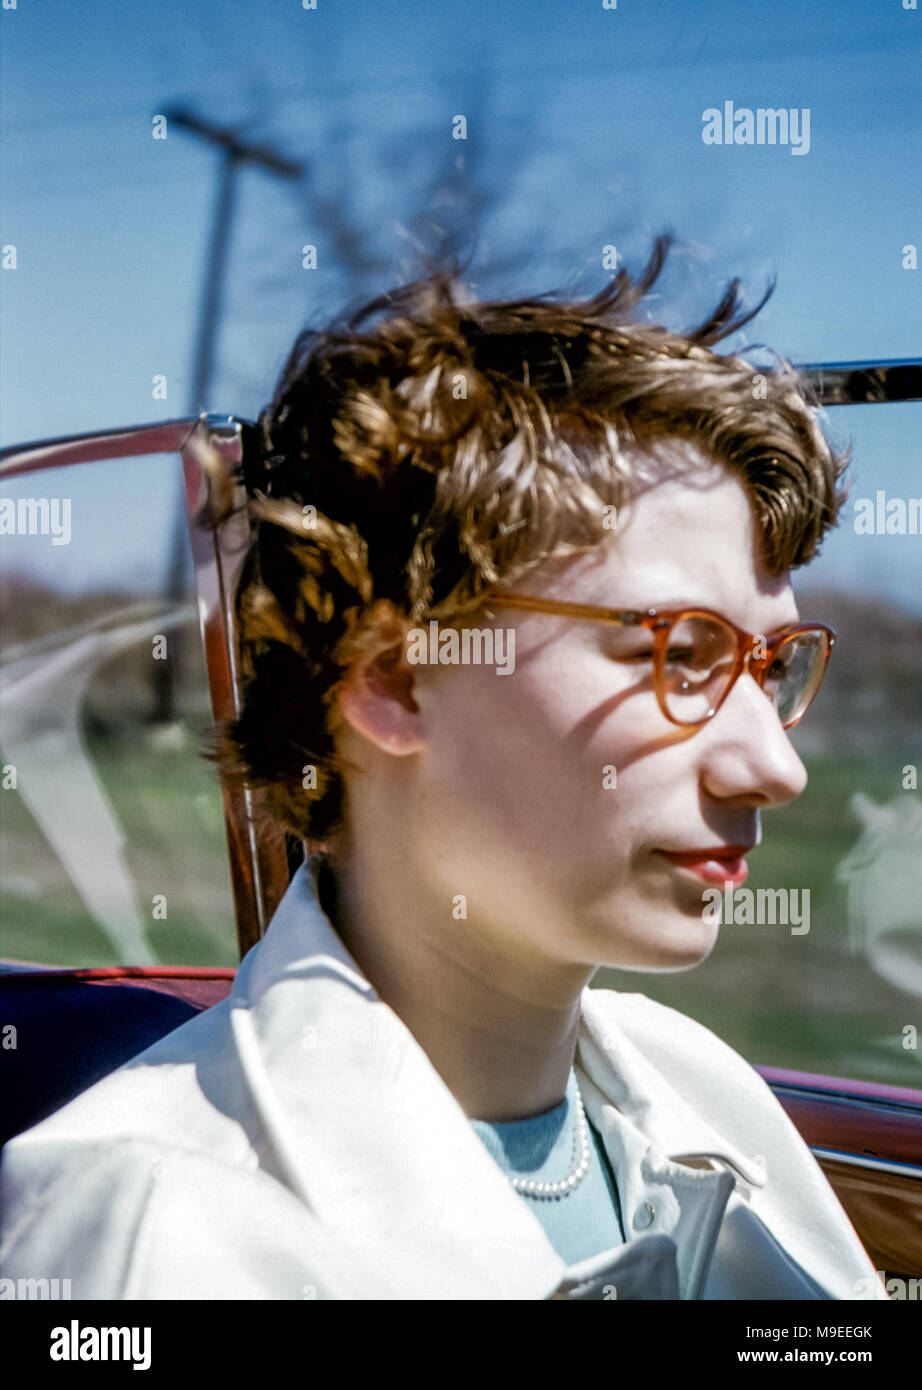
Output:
(747, 755)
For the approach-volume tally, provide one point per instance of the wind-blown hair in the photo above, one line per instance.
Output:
(449, 446)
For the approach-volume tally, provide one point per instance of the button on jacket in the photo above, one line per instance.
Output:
(295, 1141)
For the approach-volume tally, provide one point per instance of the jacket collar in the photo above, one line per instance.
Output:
(636, 1089)
(368, 1135)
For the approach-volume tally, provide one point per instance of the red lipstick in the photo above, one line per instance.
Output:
(719, 864)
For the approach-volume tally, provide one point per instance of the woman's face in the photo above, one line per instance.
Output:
(509, 802)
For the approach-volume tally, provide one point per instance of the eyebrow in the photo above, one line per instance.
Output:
(669, 603)
(666, 604)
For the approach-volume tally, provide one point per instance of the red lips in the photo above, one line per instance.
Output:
(702, 855)
(720, 864)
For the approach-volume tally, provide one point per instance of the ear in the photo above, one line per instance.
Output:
(377, 698)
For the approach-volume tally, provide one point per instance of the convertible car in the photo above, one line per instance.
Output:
(66, 1023)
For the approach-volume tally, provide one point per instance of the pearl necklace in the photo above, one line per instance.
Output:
(547, 1191)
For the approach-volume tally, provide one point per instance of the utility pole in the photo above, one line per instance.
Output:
(235, 151)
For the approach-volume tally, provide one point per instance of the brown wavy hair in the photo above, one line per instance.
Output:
(430, 448)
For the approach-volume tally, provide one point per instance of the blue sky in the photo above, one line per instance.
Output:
(584, 129)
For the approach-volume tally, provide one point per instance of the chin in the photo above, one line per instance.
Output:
(683, 945)
(688, 949)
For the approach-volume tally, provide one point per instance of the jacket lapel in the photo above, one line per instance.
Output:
(365, 1131)
(639, 1092)
(659, 1194)
(675, 1171)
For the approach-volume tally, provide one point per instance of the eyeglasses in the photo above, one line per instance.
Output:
(698, 656)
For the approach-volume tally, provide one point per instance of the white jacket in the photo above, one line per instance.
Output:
(296, 1142)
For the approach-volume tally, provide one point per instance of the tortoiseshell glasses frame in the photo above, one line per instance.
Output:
(788, 665)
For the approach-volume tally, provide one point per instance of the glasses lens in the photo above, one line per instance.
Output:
(795, 674)
(698, 667)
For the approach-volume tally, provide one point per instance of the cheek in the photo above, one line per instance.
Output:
(538, 757)
(496, 748)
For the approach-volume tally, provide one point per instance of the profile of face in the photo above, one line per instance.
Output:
(555, 800)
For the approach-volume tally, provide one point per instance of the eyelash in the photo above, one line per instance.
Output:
(676, 653)
(679, 654)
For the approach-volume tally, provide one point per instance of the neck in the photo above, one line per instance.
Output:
(498, 1021)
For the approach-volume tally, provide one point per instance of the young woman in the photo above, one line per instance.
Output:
(521, 654)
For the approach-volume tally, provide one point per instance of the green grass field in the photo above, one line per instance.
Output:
(170, 807)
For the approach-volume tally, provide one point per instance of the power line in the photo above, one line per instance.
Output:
(322, 80)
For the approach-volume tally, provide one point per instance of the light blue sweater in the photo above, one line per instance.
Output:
(586, 1221)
